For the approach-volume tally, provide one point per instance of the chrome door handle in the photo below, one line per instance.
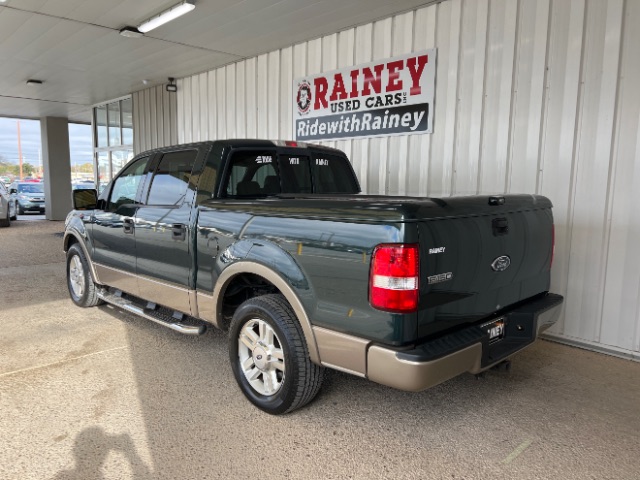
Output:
(178, 231)
(127, 225)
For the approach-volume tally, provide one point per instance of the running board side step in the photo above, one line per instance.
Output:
(164, 320)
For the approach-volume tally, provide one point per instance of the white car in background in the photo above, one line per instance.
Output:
(6, 207)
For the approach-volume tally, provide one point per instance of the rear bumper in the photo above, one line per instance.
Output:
(467, 350)
(31, 206)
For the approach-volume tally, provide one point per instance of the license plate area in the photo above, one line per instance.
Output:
(495, 330)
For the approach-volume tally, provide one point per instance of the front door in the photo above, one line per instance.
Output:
(114, 240)
(163, 233)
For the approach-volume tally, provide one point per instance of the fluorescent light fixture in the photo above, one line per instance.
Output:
(168, 15)
(131, 32)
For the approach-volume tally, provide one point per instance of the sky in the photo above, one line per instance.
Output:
(79, 141)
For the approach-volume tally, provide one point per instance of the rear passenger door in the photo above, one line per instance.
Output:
(164, 257)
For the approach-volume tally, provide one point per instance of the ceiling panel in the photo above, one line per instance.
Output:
(110, 13)
(252, 27)
(25, 108)
(10, 22)
(75, 48)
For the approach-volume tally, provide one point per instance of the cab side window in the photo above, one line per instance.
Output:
(253, 174)
(171, 179)
(126, 185)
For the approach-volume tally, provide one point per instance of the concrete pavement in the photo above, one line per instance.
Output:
(98, 393)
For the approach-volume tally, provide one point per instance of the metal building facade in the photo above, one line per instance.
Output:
(154, 119)
(532, 96)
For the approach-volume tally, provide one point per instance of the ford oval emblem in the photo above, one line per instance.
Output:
(500, 264)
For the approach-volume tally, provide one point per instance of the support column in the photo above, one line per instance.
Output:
(57, 166)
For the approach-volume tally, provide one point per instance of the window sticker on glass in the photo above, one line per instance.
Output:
(295, 173)
(264, 159)
(322, 162)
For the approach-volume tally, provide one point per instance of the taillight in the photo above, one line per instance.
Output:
(553, 244)
(393, 282)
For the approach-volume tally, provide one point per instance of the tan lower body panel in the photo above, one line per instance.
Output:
(165, 294)
(125, 281)
(206, 307)
(171, 296)
(342, 352)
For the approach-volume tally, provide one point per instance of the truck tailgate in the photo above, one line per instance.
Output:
(473, 266)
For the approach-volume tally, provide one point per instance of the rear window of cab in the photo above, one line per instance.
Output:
(255, 173)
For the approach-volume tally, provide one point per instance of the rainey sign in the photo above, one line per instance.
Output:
(377, 99)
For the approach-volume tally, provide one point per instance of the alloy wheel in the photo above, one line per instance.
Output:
(76, 276)
(261, 357)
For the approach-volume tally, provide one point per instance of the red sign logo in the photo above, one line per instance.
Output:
(303, 99)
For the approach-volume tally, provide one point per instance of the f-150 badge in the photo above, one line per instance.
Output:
(500, 264)
(443, 277)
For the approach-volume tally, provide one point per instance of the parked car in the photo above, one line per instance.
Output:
(7, 207)
(27, 196)
(83, 185)
(273, 242)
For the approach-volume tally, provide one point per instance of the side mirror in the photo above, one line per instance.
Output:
(13, 190)
(85, 199)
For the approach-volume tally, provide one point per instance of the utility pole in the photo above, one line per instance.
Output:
(19, 148)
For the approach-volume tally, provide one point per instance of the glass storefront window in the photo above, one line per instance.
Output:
(119, 159)
(113, 110)
(127, 122)
(104, 170)
(113, 124)
(101, 126)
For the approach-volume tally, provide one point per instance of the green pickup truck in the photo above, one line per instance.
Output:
(273, 242)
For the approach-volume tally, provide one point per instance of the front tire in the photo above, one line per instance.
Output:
(82, 289)
(269, 356)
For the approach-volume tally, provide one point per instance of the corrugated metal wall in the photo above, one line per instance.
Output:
(534, 96)
(154, 119)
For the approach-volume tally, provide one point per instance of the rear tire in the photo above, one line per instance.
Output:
(82, 289)
(269, 356)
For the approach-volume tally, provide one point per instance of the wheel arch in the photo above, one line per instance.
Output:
(243, 267)
(71, 237)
